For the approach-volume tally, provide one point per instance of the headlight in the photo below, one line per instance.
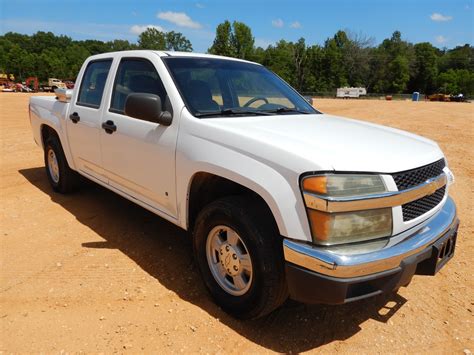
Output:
(347, 227)
(342, 185)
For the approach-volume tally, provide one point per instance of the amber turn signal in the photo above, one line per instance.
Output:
(320, 225)
(316, 184)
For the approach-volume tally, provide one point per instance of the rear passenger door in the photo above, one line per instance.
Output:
(83, 124)
(139, 156)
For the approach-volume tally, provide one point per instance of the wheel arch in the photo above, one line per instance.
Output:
(47, 131)
(205, 187)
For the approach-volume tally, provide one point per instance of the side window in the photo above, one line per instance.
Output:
(135, 75)
(93, 83)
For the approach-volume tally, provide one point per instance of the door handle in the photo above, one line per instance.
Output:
(109, 127)
(75, 117)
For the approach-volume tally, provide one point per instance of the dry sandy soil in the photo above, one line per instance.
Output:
(92, 272)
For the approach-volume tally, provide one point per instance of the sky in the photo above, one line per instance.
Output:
(444, 23)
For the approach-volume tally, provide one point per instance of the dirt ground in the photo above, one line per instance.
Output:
(92, 272)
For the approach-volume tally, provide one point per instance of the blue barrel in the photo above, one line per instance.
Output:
(415, 96)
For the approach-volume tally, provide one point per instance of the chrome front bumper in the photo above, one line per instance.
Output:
(330, 263)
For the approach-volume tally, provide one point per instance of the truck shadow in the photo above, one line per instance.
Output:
(164, 251)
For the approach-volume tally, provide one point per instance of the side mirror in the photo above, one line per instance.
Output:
(147, 107)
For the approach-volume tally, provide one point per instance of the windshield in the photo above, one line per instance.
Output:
(218, 87)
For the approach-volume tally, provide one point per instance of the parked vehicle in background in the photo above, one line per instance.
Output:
(22, 87)
(33, 83)
(69, 84)
(8, 88)
(56, 83)
(348, 93)
(280, 199)
(7, 82)
(447, 98)
(458, 98)
(52, 85)
(439, 97)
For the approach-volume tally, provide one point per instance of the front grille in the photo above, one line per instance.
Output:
(414, 177)
(418, 207)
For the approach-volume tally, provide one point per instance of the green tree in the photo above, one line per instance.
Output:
(391, 65)
(118, 45)
(278, 58)
(222, 42)
(242, 40)
(74, 56)
(94, 46)
(41, 41)
(425, 71)
(399, 71)
(16, 61)
(334, 52)
(177, 42)
(394, 66)
(24, 41)
(157, 40)
(5, 48)
(299, 55)
(357, 53)
(234, 40)
(456, 81)
(151, 38)
(258, 55)
(461, 57)
(315, 80)
(53, 64)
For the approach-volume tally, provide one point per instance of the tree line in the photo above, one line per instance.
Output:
(346, 59)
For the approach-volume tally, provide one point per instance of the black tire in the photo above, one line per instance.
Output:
(247, 217)
(68, 179)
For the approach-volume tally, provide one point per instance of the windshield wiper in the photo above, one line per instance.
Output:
(230, 112)
(287, 109)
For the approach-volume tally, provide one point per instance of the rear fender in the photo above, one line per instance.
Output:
(51, 114)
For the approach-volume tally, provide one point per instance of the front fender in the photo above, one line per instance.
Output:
(279, 190)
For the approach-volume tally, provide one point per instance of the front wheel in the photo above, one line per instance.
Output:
(239, 253)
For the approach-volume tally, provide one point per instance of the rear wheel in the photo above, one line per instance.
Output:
(60, 176)
(239, 253)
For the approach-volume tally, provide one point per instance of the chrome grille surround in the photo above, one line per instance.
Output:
(414, 177)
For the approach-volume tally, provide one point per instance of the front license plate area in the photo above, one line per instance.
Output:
(444, 251)
(441, 252)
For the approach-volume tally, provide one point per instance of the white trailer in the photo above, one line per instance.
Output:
(351, 92)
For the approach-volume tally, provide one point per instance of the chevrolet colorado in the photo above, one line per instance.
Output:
(281, 200)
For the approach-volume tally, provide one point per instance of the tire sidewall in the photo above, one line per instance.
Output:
(212, 217)
(53, 145)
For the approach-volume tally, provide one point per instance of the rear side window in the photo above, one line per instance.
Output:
(135, 75)
(93, 83)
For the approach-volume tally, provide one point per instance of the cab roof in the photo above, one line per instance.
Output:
(167, 54)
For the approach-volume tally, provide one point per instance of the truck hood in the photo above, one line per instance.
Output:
(324, 142)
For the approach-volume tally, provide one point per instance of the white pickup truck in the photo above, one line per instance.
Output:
(281, 200)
